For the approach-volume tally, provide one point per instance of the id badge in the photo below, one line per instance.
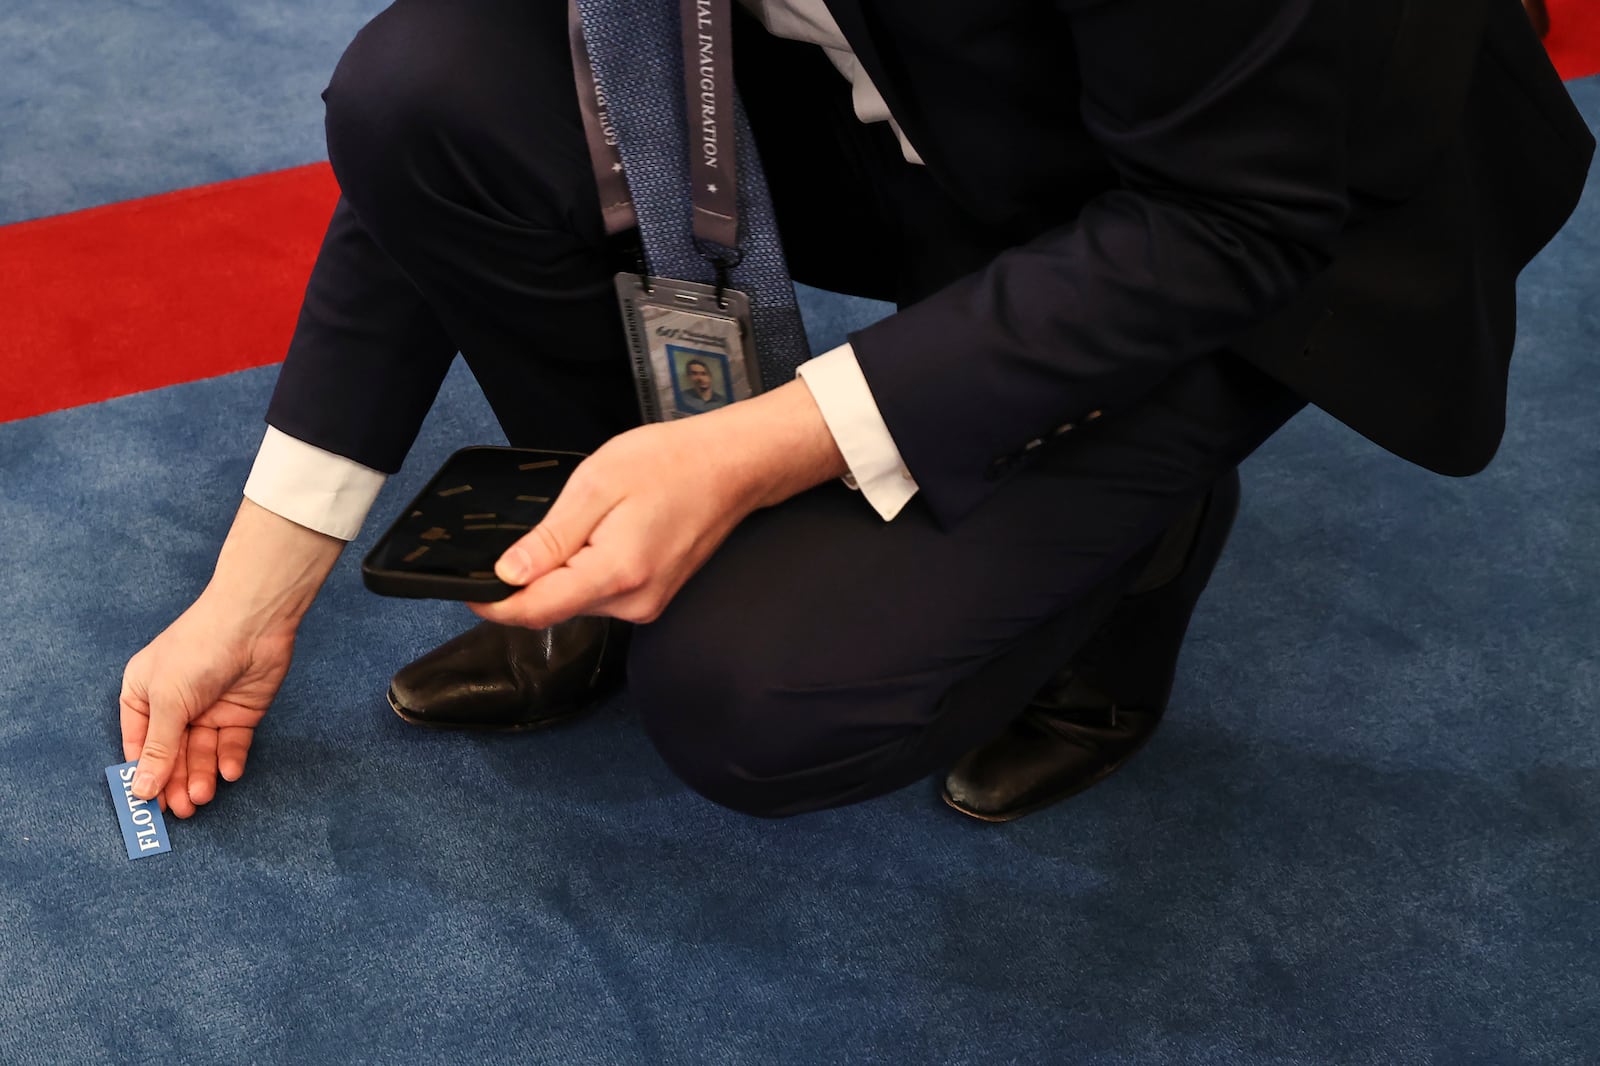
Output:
(690, 353)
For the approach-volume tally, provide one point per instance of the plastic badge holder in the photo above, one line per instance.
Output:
(483, 500)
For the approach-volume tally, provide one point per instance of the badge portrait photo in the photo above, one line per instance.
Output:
(700, 380)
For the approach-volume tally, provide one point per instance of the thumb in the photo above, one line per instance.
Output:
(160, 750)
(565, 529)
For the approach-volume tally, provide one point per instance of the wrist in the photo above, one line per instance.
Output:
(268, 572)
(792, 447)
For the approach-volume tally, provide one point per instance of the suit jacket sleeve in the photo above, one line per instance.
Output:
(367, 358)
(1226, 125)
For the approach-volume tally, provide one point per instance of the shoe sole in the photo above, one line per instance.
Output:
(478, 727)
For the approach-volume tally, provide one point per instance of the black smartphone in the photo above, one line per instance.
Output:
(445, 544)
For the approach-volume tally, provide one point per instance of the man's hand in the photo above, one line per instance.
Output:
(643, 513)
(192, 698)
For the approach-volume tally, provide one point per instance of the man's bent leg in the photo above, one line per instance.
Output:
(454, 131)
(823, 657)
(1094, 715)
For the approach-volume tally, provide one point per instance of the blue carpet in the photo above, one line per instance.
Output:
(1367, 833)
(103, 101)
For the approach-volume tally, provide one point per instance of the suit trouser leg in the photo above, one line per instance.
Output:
(822, 656)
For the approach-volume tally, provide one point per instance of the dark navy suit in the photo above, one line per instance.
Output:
(1172, 176)
(1147, 232)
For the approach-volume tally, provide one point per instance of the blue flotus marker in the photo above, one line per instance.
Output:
(143, 828)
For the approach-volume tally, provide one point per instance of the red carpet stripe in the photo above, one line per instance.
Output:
(151, 292)
(1574, 40)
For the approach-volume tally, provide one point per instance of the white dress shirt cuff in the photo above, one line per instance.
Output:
(852, 415)
(312, 487)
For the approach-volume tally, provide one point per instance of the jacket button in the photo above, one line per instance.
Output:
(1032, 444)
(1092, 415)
(1065, 427)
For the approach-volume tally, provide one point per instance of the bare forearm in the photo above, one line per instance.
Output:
(784, 442)
(270, 569)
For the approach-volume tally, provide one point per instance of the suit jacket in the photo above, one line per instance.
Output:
(1341, 192)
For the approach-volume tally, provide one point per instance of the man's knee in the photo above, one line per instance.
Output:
(427, 87)
(396, 82)
(734, 731)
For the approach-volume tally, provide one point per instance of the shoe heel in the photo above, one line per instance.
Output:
(1133, 657)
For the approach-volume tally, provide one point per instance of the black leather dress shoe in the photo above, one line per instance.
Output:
(505, 678)
(1095, 715)
(1069, 738)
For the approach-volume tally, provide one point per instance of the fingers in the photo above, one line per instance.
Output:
(201, 779)
(134, 704)
(189, 703)
(159, 749)
(176, 791)
(135, 721)
(565, 529)
(233, 750)
(557, 596)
